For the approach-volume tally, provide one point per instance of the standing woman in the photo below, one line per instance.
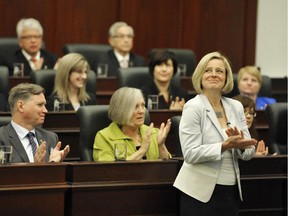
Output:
(70, 83)
(213, 135)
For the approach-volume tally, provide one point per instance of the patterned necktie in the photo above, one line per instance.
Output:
(30, 136)
(33, 60)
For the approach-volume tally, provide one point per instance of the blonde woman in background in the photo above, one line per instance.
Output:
(249, 84)
(70, 83)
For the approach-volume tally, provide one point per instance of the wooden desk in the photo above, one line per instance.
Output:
(264, 186)
(131, 187)
(13, 81)
(124, 188)
(33, 189)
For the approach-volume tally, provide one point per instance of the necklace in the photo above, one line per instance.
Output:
(219, 114)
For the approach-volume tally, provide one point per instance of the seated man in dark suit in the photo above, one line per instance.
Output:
(121, 40)
(30, 33)
(30, 143)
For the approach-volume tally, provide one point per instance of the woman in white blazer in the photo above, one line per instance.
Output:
(213, 135)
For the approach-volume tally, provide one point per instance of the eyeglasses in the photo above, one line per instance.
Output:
(251, 113)
(29, 37)
(122, 36)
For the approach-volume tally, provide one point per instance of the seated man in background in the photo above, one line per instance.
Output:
(30, 143)
(121, 40)
(249, 84)
(30, 35)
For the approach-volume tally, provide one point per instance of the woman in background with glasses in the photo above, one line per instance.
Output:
(250, 114)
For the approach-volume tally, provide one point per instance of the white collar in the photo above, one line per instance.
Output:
(21, 131)
(120, 57)
(28, 57)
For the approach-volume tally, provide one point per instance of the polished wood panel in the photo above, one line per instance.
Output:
(33, 189)
(124, 188)
(264, 186)
(129, 187)
(106, 84)
(13, 81)
(177, 24)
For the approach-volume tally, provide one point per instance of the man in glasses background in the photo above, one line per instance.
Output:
(31, 52)
(120, 38)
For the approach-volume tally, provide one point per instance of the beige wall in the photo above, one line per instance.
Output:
(271, 37)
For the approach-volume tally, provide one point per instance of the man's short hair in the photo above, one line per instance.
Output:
(116, 25)
(29, 23)
(23, 91)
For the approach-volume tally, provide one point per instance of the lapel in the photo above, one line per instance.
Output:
(114, 59)
(211, 115)
(16, 143)
(228, 112)
(39, 136)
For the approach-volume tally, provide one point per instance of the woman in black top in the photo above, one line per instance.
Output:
(163, 67)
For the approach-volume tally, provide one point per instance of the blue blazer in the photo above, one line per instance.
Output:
(201, 138)
(8, 136)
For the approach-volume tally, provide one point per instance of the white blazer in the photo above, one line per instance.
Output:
(201, 139)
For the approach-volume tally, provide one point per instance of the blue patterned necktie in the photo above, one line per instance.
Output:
(30, 136)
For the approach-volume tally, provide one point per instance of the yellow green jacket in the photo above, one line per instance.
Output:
(103, 149)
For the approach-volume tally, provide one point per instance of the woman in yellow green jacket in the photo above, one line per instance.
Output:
(127, 112)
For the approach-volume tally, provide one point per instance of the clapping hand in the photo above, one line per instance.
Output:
(236, 140)
(261, 149)
(177, 104)
(163, 132)
(40, 154)
(58, 155)
(38, 63)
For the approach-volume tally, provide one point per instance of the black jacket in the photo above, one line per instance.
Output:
(49, 61)
(174, 91)
(68, 106)
(110, 59)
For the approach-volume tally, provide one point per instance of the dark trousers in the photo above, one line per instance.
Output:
(224, 201)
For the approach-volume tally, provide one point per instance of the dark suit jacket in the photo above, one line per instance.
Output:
(8, 136)
(174, 91)
(110, 59)
(68, 106)
(49, 61)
